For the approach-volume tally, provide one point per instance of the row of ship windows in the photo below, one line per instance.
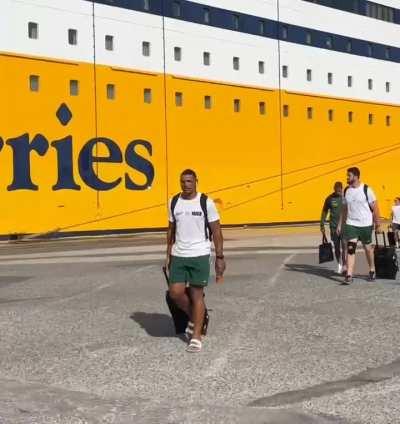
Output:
(208, 101)
(350, 79)
(370, 9)
(146, 51)
(329, 41)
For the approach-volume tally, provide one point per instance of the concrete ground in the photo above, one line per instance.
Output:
(86, 337)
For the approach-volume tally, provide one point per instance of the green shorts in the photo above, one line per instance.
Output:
(364, 234)
(195, 271)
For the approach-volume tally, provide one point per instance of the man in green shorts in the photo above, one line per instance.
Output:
(193, 218)
(360, 214)
(333, 207)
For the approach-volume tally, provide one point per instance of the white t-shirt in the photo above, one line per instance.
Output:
(396, 214)
(190, 240)
(358, 211)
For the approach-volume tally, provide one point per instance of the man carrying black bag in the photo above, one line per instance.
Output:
(193, 222)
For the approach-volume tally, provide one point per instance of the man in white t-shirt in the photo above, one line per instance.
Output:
(193, 219)
(396, 219)
(360, 214)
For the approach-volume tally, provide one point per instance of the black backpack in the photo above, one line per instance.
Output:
(203, 205)
(365, 188)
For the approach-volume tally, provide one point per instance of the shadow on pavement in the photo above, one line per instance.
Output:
(155, 325)
(315, 270)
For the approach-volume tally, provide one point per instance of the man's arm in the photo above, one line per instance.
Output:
(170, 241)
(219, 248)
(324, 214)
(376, 216)
(342, 219)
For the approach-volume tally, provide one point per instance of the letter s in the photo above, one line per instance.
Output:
(139, 163)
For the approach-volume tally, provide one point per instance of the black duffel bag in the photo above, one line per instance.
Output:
(325, 251)
(385, 257)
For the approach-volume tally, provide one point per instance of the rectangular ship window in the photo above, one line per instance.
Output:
(285, 111)
(329, 42)
(262, 108)
(285, 32)
(387, 53)
(206, 58)
(236, 63)
(207, 102)
(33, 30)
(34, 82)
(350, 116)
(349, 81)
(109, 42)
(110, 91)
(370, 49)
(310, 113)
(388, 120)
(349, 46)
(72, 37)
(309, 74)
(261, 67)
(330, 78)
(146, 5)
(235, 22)
(146, 48)
(370, 84)
(73, 87)
(147, 95)
(308, 38)
(330, 115)
(370, 118)
(177, 54)
(178, 99)
(261, 27)
(285, 71)
(236, 105)
(176, 9)
(206, 15)
(387, 86)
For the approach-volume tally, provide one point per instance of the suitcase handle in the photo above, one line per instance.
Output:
(384, 239)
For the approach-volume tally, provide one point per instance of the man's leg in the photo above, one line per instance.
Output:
(343, 242)
(366, 240)
(369, 253)
(351, 259)
(177, 287)
(336, 243)
(198, 310)
(178, 294)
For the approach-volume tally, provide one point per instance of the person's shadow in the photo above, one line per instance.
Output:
(315, 270)
(155, 325)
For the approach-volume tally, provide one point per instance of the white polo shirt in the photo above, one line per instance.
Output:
(358, 209)
(190, 240)
(396, 214)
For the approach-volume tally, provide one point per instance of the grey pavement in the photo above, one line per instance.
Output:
(86, 336)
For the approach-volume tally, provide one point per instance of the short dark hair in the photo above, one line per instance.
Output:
(338, 184)
(189, 172)
(355, 171)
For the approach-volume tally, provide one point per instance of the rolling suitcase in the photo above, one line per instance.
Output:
(386, 265)
(180, 317)
(391, 238)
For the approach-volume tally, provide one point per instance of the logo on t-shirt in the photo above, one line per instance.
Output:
(194, 213)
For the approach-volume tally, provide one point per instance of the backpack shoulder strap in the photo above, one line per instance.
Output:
(345, 191)
(203, 204)
(366, 196)
(174, 201)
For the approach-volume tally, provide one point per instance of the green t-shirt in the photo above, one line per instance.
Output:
(333, 206)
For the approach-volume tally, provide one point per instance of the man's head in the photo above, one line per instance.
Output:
(397, 201)
(338, 187)
(353, 176)
(188, 182)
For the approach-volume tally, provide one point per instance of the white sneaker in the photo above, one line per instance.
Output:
(339, 269)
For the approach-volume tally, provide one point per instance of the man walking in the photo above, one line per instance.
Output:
(193, 222)
(333, 206)
(360, 214)
(396, 220)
